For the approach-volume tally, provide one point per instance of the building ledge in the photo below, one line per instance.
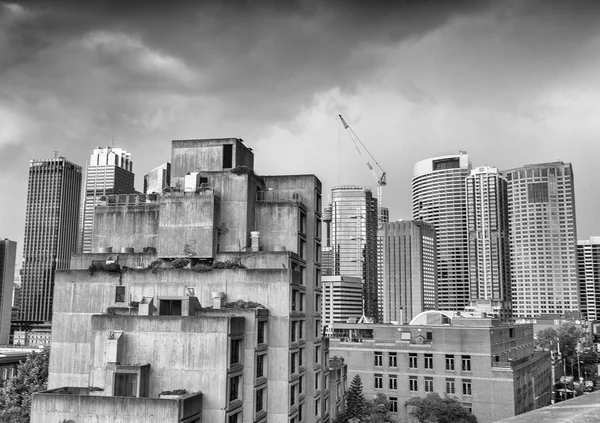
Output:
(585, 408)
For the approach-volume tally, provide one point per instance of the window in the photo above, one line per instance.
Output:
(294, 300)
(317, 407)
(170, 308)
(293, 359)
(234, 386)
(378, 381)
(412, 360)
(292, 394)
(317, 379)
(300, 384)
(260, 365)
(413, 385)
(393, 382)
(234, 418)
(293, 331)
(466, 363)
(393, 404)
(125, 385)
(450, 386)
(378, 358)
(466, 385)
(393, 360)
(428, 384)
(449, 362)
(317, 354)
(260, 399)
(429, 361)
(120, 294)
(302, 223)
(300, 356)
(227, 156)
(468, 406)
(300, 329)
(261, 329)
(302, 249)
(235, 351)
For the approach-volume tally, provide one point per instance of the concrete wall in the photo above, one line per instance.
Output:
(187, 226)
(52, 407)
(125, 226)
(279, 224)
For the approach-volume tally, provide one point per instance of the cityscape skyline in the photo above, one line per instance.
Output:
(411, 83)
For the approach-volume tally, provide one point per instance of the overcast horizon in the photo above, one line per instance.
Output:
(512, 83)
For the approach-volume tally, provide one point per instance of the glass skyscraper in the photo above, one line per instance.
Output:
(439, 198)
(51, 218)
(543, 239)
(354, 240)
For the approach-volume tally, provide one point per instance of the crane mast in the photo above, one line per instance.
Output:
(381, 180)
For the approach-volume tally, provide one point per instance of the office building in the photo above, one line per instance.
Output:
(209, 311)
(588, 269)
(439, 198)
(8, 252)
(409, 269)
(109, 171)
(489, 255)
(342, 299)
(51, 217)
(543, 239)
(489, 366)
(354, 240)
(158, 179)
(384, 217)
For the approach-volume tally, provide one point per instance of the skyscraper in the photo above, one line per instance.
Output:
(409, 271)
(157, 179)
(110, 171)
(354, 239)
(588, 268)
(543, 239)
(439, 198)
(8, 252)
(51, 220)
(489, 256)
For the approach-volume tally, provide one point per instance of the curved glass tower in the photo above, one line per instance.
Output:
(439, 198)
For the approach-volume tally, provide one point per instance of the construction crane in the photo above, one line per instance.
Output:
(381, 182)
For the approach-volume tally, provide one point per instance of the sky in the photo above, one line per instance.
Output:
(511, 82)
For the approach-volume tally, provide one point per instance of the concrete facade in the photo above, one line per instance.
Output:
(8, 252)
(246, 238)
(490, 367)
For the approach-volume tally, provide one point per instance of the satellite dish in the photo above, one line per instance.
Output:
(577, 322)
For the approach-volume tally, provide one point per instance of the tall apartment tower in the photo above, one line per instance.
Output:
(158, 179)
(8, 252)
(409, 269)
(588, 269)
(439, 198)
(384, 217)
(354, 239)
(238, 328)
(51, 217)
(110, 171)
(543, 239)
(489, 255)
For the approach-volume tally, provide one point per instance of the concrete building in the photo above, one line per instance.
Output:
(158, 179)
(8, 364)
(51, 219)
(489, 255)
(439, 198)
(110, 171)
(543, 239)
(409, 269)
(342, 299)
(489, 366)
(354, 240)
(588, 269)
(215, 299)
(8, 252)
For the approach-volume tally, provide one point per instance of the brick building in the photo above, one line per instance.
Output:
(490, 367)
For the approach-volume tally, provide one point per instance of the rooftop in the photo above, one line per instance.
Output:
(585, 408)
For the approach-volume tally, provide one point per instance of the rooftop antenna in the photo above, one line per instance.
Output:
(55, 153)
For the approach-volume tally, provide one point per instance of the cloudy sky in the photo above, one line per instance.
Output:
(511, 82)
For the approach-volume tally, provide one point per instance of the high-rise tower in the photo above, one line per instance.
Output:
(588, 267)
(8, 252)
(50, 232)
(110, 171)
(354, 239)
(489, 257)
(157, 179)
(409, 271)
(439, 198)
(543, 239)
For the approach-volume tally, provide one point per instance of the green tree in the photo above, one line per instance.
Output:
(435, 409)
(15, 395)
(356, 405)
(567, 336)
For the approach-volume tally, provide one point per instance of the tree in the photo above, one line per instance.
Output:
(362, 410)
(435, 409)
(566, 336)
(15, 395)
